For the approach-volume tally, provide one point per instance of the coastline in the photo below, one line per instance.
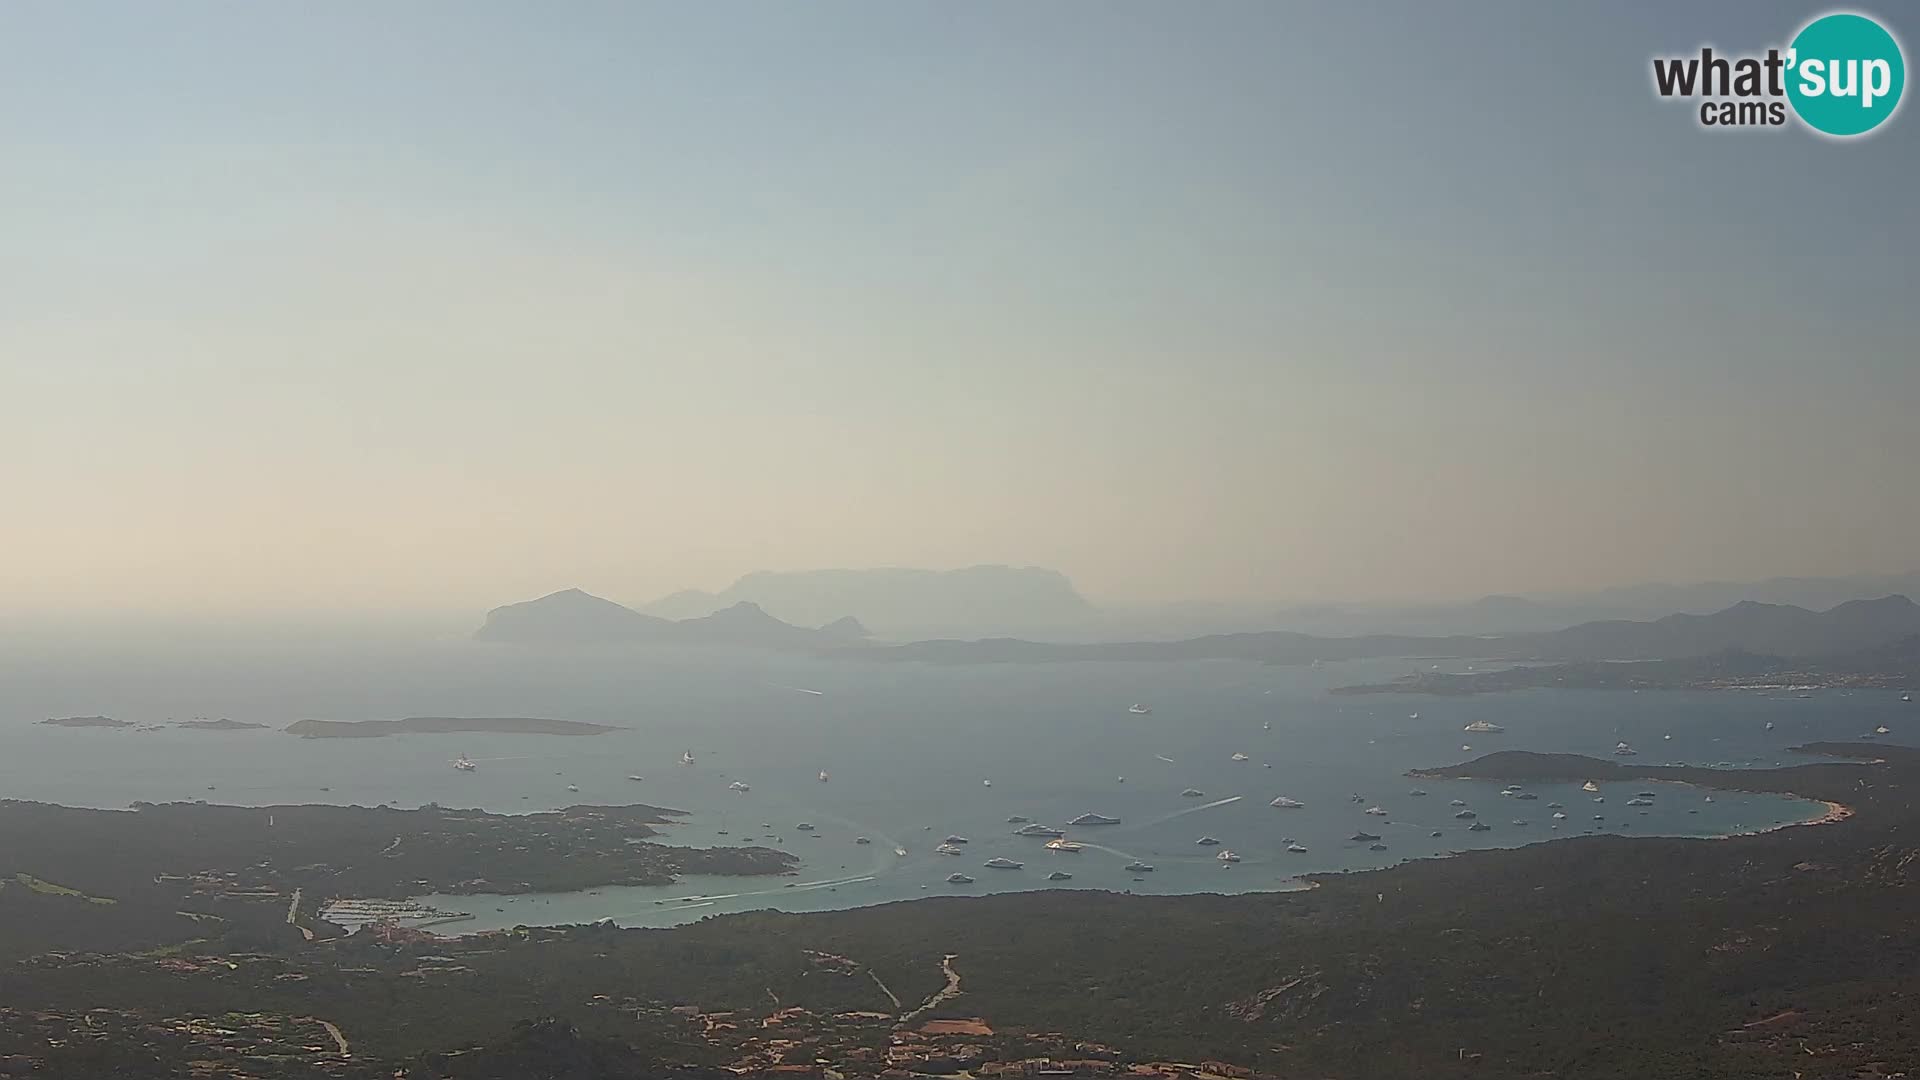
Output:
(1835, 814)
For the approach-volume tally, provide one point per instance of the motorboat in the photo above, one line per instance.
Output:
(1525, 796)
(805, 826)
(948, 849)
(1139, 867)
(1017, 819)
(636, 779)
(1623, 750)
(861, 840)
(1376, 847)
(1193, 793)
(959, 879)
(823, 776)
(1363, 837)
(986, 783)
(1297, 849)
(1466, 815)
(1037, 829)
(464, 764)
(1416, 793)
(1376, 811)
(1059, 875)
(1556, 806)
(1479, 727)
(1479, 826)
(1520, 822)
(686, 758)
(1241, 757)
(1285, 803)
(997, 863)
(957, 839)
(1456, 802)
(738, 786)
(1357, 797)
(1138, 709)
(1589, 786)
(1064, 847)
(573, 787)
(1094, 819)
(1227, 855)
(1559, 815)
(1207, 841)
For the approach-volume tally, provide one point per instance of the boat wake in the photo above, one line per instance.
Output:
(1189, 810)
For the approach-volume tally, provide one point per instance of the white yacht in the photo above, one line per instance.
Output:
(1456, 802)
(959, 879)
(1466, 815)
(1639, 802)
(957, 839)
(1376, 811)
(1018, 819)
(1268, 726)
(1227, 855)
(1207, 841)
(1883, 730)
(1193, 793)
(1479, 826)
(986, 783)
(1297, 849)
(1241, 757)
(1138, 709)
(823, 776)
(1483, 727)
(686, 758)
(1094, 819)
(1064, 847)
(947, 849)
(1139, 867)
(1769, 726)
(805, 826)
(573, 787)
(1623, 750)
(636, 778)
(1589, 786)
(1059, 875)
(464, 764)
(1559, 815)
(1285, 803)
(998, 863)
(738, 786)
(1037, 829)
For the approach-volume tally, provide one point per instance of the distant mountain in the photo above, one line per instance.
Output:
(901, 602)
(570, 615)
(1770, 629)
(575, 617)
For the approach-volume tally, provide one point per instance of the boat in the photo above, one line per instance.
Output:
(1207, 841)
(1623, 750)
(805, 826)
(1479, 826)
(823, 776)
(1363, 837)
(1480, 727)
(1599, 798)
(1457, 802)
(1138, 709)
(947, 849)
(1769, 725)
(1416, 793)
(861, 840)
(1556, 806)
(1059, 875)
(464, 764)
(636, 778)
(1376, 811)
(1376, 847)
(1119, 779)
(1646, 794)
(1017, 819)
(573, 787)
(1413, 716)
(997, 863)
(1464, 747)
(1883, 730)
(1589, 786)
(986, 783)
(1520, 822)
(1227, 855)
(1241, 757)
(1525, 796)
(1559, 815)
(959, 879)
(1139, 867)
(1037, 829)
(900, 852)
(738, 786)
(686, 758)
(1357, 797)
(1064, 847)
(1466, 815)
(957, 839)
(1906, 697)
(1094, 819)
(1193, 793)
(1285, 803)
(1268, 726)
(1709, 798)
(1297, 849)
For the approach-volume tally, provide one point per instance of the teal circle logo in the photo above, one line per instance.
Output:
(1845, 74)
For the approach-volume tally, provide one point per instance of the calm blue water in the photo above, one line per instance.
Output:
(907, 748)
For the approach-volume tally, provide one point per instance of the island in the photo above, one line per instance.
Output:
(1895, 666)
(443, 725)
(222, 724)
(87, 721)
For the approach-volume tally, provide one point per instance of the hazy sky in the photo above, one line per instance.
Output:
(438, 305)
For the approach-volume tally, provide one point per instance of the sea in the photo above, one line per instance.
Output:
(914, 754)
